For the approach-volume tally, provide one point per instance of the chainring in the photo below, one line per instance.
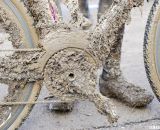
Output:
(69, 72)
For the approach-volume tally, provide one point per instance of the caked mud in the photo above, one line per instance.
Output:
(70, 71)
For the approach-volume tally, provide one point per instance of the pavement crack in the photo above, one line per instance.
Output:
(127, 123)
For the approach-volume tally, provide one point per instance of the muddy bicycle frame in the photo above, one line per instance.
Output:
(85, 55)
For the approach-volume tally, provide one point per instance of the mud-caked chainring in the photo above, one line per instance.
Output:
(71, 74)
(70, 71)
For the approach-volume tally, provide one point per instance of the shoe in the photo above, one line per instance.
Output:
(129, 93)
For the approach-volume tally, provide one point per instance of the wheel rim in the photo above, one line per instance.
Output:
(152, 47)
(22, 21)
(157, 49)
(29, 88)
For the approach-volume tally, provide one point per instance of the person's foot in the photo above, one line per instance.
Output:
(127, 92)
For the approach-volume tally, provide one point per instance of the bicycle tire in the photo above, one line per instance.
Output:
(151, 46)
(17, 13)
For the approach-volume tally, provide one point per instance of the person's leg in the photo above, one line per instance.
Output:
(112, 82)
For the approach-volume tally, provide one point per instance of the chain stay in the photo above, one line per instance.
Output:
(19, 66)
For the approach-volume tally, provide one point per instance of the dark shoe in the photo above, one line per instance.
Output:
(127, 92)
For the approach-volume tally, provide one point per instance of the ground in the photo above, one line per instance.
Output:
(85, 116)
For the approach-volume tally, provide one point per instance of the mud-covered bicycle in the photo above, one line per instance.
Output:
(63, 56)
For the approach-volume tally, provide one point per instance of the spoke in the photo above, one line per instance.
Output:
(20, 67)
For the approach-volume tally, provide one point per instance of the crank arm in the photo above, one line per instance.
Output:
(102, 103)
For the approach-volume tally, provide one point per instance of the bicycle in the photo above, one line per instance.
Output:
(65, 58)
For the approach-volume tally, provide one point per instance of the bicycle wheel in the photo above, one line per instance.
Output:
(152, 48)
(18, 24)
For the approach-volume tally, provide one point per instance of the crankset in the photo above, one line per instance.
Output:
(70, 58)
(67, 68)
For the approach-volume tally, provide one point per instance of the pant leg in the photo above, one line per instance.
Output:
(112, 65)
